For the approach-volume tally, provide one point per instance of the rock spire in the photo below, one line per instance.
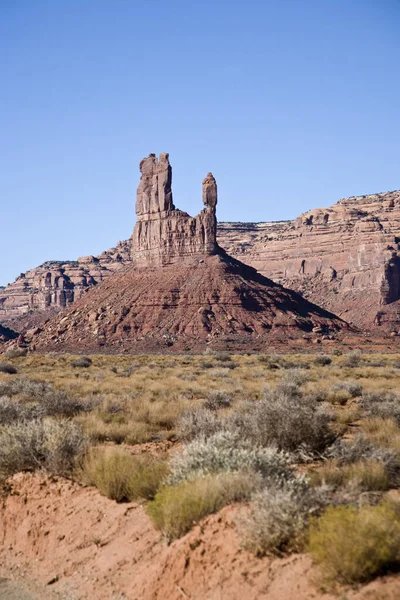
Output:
(164, 234)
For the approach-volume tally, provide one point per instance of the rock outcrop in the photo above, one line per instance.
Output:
(345, 258)
(56, 284)
(7, 334)
(163, 234)
(182, 289)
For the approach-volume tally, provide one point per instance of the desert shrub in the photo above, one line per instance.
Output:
(16, 352)
(278, 518)
(322, 360)
(317, 395)
(287, 419)
(24, 386)
(175, 509)
(353, 359)
(48, 444)
(385, 405)
(83, 362)
(217, 399)
(352, 387)
(222, 356)
(121, 476)
(361, 448)
(11, 411)
(227, 451)
(354, 545)
(8, 368)
(336, 352)
(48, 401)
(59, 403)
(198, 421)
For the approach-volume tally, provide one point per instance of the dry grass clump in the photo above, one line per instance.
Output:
(175, 509)
(279, 517)
(8, 368)
(382, 432)
(365, 475)
(353, 545)
(121, 476)
(133, 419)
(42, 444)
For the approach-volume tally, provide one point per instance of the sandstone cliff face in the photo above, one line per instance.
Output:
(56, 284)
(164, 234)
(346, 258)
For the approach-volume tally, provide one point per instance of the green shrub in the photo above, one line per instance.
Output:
(8, 368)
(176, 509)
(355, 545)
(121, 476)
(50, 445)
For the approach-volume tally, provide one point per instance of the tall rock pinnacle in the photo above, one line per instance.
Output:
(164, 234)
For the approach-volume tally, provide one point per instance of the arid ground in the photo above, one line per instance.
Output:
(208, 476)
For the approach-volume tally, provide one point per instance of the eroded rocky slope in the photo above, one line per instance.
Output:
(55, 285)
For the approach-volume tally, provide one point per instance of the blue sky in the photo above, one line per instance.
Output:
(292, 104)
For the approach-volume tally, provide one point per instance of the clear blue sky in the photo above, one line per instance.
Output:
(292, 104)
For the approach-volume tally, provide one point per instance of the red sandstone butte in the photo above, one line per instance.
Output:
(182, 288)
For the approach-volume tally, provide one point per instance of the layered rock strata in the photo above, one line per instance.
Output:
(345, 258)
(164, 234)
(56, 284)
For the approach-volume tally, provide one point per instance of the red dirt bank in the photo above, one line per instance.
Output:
(94, 548)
